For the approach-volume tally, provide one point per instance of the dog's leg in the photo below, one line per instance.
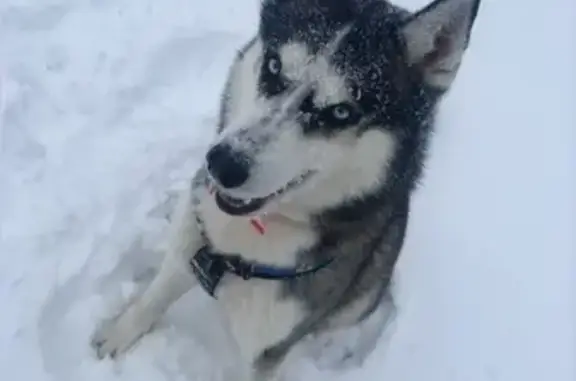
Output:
(173, 280)
(348, 343)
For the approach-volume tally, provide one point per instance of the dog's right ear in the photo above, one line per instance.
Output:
(436, 38)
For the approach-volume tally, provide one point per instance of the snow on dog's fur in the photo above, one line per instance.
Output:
(324, 126)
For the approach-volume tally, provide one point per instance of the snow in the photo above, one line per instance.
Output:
(105, 108)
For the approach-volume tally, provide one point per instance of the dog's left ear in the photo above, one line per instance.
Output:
(436, 38)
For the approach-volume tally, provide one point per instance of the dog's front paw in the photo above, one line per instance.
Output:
(117, 335)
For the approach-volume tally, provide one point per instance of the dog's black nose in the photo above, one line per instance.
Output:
(230, 168)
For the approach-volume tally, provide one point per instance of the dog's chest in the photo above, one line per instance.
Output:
(258, 313)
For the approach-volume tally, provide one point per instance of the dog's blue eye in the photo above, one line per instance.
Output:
(274, 65)
(272, 82)
(341, 112)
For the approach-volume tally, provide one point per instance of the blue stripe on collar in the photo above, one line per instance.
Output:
(209, 267)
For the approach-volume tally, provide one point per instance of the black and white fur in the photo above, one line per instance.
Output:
(325, 122)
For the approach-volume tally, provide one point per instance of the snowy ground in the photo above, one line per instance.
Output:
(105, 107)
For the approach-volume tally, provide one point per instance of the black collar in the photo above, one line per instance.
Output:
(210, 266)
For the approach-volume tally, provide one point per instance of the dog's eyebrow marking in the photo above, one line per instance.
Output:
(295, 58)
(331, 47)
(330, 85)
(302, 67)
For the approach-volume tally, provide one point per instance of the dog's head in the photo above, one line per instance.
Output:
(325, 98)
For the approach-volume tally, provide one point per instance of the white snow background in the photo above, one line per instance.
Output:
(106, 107)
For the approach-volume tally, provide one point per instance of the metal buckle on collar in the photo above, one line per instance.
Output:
(209, 268)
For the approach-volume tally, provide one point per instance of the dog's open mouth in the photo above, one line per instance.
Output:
(240, 207)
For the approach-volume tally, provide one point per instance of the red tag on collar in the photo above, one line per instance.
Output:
(257, 224)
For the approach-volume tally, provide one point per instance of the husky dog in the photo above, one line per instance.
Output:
(297, 216)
